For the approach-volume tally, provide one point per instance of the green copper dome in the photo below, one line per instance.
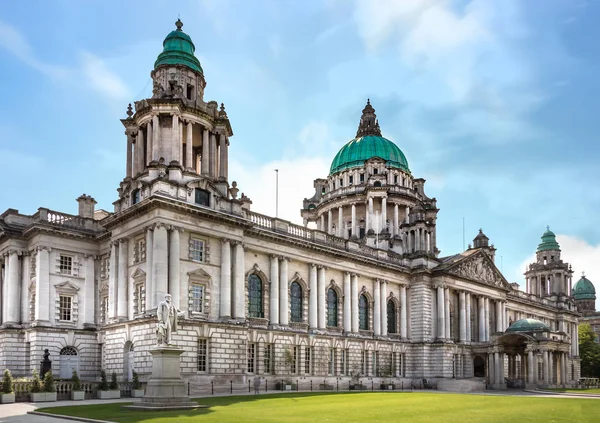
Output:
(584, 290)
(548, 241)
(528, 325)
(178, 49)
(367, 144)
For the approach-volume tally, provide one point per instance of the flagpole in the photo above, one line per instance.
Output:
(276, 193)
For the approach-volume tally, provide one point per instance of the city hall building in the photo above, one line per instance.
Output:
(359, 291)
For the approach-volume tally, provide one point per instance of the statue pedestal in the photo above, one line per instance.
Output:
(165, 389)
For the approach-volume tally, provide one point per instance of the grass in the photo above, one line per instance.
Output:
(576, 391)
(357, 407)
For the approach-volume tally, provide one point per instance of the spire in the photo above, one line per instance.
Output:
(178, 24)
(369, 125)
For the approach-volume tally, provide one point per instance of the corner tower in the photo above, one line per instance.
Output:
(370, 196)
(177, 144)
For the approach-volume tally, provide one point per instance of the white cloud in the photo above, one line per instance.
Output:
(101, 78)
(14, 42)
(583, 257)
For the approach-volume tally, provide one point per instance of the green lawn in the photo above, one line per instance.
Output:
(577, 391)
(358, 407)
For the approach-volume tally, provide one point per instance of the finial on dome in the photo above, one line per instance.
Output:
(178, 24)
(369, 125)
(547, 227)
(222, 112)
(129, 111)
(583, 274)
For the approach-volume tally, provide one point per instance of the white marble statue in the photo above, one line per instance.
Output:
(167, 315)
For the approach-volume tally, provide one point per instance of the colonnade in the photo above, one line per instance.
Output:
(465, 324)
(150, 142)
(548, 283)
(524, 366)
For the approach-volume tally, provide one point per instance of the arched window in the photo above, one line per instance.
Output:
(255, 296)
(296, 302)
(332, 308)
(363, 313)
(391, 317)
(69, 361)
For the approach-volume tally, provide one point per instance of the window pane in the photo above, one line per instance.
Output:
(66, 264)
(202, 354)
(363, 313)
(296, 302)
(65, 308)
(202, 197)
(196, 249)
(332, 308)
(255, 294)
(391, 316)
(197, 298)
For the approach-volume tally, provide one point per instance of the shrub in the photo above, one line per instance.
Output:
(76, 381)
(103, 382)
(36, 383)
(49, 382)
(136, 381)
(7, 383)
(114, 385)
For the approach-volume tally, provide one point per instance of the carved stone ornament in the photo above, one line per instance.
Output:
(479, 269)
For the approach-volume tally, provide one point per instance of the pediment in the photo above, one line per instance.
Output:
(139, 273)
(480, 268)
(199, 274)
(66, 286)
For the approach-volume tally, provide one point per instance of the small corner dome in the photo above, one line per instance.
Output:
(178, 49)
(528, 325)
(584, 289)
(368, 144)
(548, 241)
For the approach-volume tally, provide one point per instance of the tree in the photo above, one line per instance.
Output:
(7, 382)
(103, 382)
(114, 385)
(589, 351)
(76, 381)
(36, 383)
(49, 382)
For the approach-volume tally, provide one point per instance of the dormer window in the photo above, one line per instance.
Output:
(362, 177)
(341, 182)
(190, 92)
(135, 196)
(375, 171)
(351, 179)
(395, 179)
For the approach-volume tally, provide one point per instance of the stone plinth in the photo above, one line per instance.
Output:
(165, 389)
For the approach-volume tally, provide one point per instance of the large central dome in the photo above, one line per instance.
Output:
(368, 144)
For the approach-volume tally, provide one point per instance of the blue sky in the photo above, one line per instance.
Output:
(494, 103)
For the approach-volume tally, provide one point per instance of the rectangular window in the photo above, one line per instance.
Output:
(341, 182)
(196, 249)
(139, 251)
(251, 356)
(202, 355)
(374, 360)
(139, 299)
(363, 363)
(351, 179)
(375, 171)
(331, 362)
(202, 197)
(64, 310)
(395, 179)
(104, 309)
(342, 362)
(197, 294)
(65, 265)
(307, 358)
(362, 177)
(268, 358)
(294, 363)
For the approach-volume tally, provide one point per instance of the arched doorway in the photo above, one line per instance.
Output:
(478, 366)
(69, 361)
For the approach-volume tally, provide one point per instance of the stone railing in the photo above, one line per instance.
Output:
(284, 227)
(65, 220)
(64, 388)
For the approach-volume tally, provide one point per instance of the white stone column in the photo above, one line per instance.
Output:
(321, 298)
(354, 302)
(149, 286)
(87, 307)
(576, 340)
(24, 281)
(149, 142)
(383, 214)
(112, 281)
(322, 223)
(367, 218)
(376, 308)
(441, 314)
(530, 367)
(347, 303)
(223, 157)
(498, 364)
(189, 146)
(283, 291)
(330, 222)
(175, 139)
(384, 323)
(462, 317)
(13, 312)
(205, 153)
(481, 320)
(563, 368)
(129, 164)
(395, 229)
(160, 252)
(156, 141)
(274, 290)
(213, 155)
(407, 216)
(312, 298)
(174, 266)
(370, 213)
(139, 153)
(403, 313)
(498, 316)
(340, 229)
(238, 286)
(42, 286)
(123, 280)
(546, 370)
(354, 222)
(487, 319)
(468, 316)
(447, 312)
(225, 285)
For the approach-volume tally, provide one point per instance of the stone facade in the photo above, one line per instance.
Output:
(260, 295)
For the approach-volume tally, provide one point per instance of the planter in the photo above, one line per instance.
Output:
(109, 394)
(7, 398)
(286, 386)
(387, 386)
(358, 387)
(77, 395)
(325, 387)
(137, 393)
(43, 396)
